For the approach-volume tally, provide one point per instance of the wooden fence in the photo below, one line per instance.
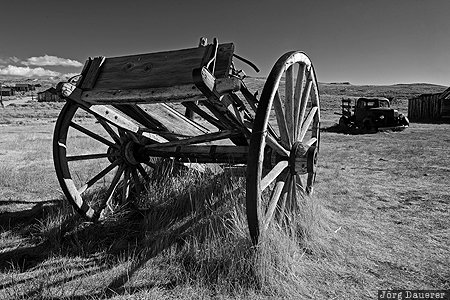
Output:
(425, 108)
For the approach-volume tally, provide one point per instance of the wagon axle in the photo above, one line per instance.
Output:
(302, 159)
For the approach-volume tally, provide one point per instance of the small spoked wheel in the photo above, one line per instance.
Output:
(96, 162)
(284, 145)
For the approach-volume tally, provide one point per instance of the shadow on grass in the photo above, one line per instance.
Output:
(347, 130)
(175, 213)
(21, 223)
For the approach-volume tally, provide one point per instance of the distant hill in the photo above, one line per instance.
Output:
(399, 91)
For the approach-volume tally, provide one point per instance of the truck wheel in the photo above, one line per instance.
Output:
(403, 120)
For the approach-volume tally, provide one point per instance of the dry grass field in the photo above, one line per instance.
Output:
(379, 219)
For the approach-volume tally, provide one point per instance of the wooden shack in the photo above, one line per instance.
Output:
(430, 107)
(6, 91)
(49, 95)
(22, 87)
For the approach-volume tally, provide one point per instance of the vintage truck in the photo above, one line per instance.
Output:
(371, 114)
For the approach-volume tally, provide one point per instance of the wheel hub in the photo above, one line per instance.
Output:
(129, 150)
(303, 159)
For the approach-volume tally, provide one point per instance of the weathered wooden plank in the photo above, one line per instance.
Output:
(195, 108)
(114, 117)
(209, 137)
(138, 114)
(161, 69)
(175, 114)
(187, 92)
(92, 73)
(227, 85)
(225, 116)
(83, 73)
(174, 121)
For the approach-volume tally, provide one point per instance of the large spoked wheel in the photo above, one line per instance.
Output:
(95, 162)
(284, 145)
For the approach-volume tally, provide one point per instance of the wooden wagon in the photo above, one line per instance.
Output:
(124, 111)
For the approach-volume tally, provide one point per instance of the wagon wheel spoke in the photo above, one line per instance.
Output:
(109, 129)
(309, 183)
(288, 205)
(285, 217)
(286, 139)
(274, 199)
(303, 104)
(307, 123)
(93, 135)
(299, 183)
(297, 97)
(273, 174)
(311, 142)
(89, 156)
(126, 185)
(276, 146)
(280, 213)
(97, 177)
(106, 201)
(289, 102)
(292, 197)
(284, 209)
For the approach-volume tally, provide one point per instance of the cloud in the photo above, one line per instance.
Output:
(69, 75)
(50, 60)
(9, 60)
(14, 59)
(27, 71)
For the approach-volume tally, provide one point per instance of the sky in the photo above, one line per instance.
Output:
(358, 41)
